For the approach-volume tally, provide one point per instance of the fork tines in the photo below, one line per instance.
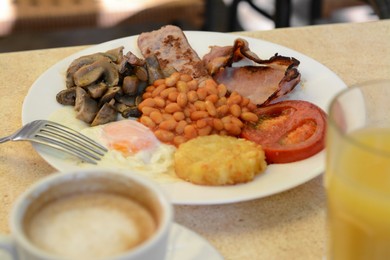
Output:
(69, 140)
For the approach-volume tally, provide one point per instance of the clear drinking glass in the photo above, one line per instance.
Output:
(357, 178)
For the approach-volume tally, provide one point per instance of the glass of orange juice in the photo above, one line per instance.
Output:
(357, 178)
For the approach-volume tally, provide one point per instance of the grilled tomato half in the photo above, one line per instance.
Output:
(288, 131)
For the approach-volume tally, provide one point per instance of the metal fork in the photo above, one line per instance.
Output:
(59, 137)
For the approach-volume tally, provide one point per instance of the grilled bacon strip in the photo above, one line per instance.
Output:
(264, 82)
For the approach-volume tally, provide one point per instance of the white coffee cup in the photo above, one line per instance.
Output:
(90, 214)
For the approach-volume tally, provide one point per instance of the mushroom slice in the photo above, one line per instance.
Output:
(131, 112)
(110, 94)
(132, 59)
(97, 90)
(106, 114)
(80, 96)
(85, 106)
(67, 96)
(130, 84)
(129, 61)
(141, 73)
(102, 68)
(129, 100)
(153, 68)
(127, 111)
(141, 88)
(126, 100)
(77, 64)
(116, 55)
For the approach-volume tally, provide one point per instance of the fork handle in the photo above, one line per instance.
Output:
(5, 139)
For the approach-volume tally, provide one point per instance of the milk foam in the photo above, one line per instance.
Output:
(90, 226)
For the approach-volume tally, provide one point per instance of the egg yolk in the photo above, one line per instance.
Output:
(129, 137)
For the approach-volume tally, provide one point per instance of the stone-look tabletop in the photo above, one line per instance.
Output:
(289, 225)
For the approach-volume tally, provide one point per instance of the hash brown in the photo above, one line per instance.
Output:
(216, 160)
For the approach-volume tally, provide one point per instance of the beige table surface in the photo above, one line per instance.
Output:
(289, 225)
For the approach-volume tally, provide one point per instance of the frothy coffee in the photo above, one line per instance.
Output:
(90, 225)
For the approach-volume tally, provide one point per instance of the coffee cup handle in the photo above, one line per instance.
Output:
(7, 244)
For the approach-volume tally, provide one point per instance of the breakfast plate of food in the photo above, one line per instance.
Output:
(208, 145)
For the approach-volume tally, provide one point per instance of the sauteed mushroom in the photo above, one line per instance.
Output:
(97, 90)
(127, 111)
(91, 73)
(130, 84)
(106, 114)
(103, 84)
(110, 94)
(129, 101)
(67, 96)
(85, 106)
(153, 68)
(114, 55)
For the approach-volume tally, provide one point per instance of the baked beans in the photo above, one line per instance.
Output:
(179, 108)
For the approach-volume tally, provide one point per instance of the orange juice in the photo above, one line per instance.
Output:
(358, 190)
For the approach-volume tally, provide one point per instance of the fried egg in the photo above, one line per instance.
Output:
(131, 146)
(128, 137)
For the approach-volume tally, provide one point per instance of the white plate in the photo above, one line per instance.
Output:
(185, 244)
(318, 85)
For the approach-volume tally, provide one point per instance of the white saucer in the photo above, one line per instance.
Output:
(185, 244)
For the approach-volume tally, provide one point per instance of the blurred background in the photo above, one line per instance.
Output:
(36, 24)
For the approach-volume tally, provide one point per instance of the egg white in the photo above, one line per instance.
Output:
(155, 163)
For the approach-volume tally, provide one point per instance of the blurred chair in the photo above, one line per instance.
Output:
(51, 15)
(381, 7)
(282, 15)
